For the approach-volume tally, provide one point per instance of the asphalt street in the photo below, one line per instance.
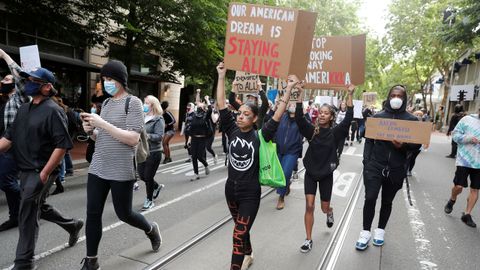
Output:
(421, 236)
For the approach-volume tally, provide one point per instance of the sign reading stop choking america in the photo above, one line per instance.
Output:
(268, 41)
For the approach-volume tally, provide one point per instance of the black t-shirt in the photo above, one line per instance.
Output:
(99, 99)
(243, 151)
(169, 121)
(37, 130)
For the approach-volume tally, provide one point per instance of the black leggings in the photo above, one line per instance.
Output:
(122, 193)
(354, 129)
(209, 143)
(373, 181)
(147, 171)
(412, 159)
(198, 152)
(243, 209)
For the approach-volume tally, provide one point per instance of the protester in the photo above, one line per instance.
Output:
(13, 96)
(210, 136)
(117, 133)
(458, 114)
(188, 120)
(289, 147)
(38, 150)
(321, 158)
(169, 131)
(439, 118)
(242, 189)
(342, 112)
(384, 167)
(467, 135)
(154, 127)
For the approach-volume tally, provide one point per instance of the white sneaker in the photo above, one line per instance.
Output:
(362, 242)
(207, 170)
(148, 204)
(136, 186)
(247, 261)
(195, 177)
(215, 159)
(307, 246)
(294, 176)
(378, 237)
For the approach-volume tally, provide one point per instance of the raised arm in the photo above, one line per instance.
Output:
(221, 86)
(304, 126)
(198, 100)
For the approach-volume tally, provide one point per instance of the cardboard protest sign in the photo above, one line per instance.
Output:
(247, 82)
(369, 98)
(268, 41)
(462, 92)
(400, 130)
(357, 109)
(29, 58)
(323, 99)
(336, 61)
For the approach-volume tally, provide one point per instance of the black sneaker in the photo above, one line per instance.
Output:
(90, 264)
(72, 240)
(155, 237)
(7, 225)
(330, 219)
(467, 219)
(449, 207)
(307, 246)
(156, 191)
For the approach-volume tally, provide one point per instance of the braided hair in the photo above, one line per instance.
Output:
(331, 109)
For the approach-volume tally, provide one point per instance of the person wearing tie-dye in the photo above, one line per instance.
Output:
(467, 135)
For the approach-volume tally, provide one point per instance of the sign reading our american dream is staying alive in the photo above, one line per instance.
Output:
(336, 61)
(400, 130)
(268, 41)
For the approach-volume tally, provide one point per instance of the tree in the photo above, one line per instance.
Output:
(462, 26)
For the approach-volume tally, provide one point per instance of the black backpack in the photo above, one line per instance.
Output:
(199, 125)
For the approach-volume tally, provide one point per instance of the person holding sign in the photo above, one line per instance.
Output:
(384, 168)
(251, 97)
(242, 189)
(321, 158)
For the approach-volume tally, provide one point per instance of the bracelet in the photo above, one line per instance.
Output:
(281, 100)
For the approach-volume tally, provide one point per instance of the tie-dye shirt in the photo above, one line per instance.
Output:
(468, 154)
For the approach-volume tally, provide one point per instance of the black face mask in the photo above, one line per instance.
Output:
(7, 88)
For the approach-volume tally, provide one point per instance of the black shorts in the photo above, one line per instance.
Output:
(325, 185)
(461, 176)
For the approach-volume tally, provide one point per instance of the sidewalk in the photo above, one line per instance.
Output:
(80, 148)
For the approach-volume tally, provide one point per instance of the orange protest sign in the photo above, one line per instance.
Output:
(336, 61)
(400, 130)
(268, 41)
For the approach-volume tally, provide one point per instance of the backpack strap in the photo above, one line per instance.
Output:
(127, 103)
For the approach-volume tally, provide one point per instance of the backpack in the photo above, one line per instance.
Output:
(198, 125)
(142, 151)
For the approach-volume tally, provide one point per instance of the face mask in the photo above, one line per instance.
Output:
(396, 103)
(32, 88)
(7, 88)
(110, 87)
(146, 108)
(93, 110)
(291, 109)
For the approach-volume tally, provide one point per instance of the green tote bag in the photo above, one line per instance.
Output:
(271, 172)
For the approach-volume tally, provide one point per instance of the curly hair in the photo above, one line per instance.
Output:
(331, 109)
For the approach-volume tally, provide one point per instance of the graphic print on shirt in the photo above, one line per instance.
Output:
(242, 154)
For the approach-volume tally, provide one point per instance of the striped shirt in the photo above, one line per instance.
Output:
(112, 159)
(468, 154)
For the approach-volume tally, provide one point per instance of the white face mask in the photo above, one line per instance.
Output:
(396, 103)
(291, 109)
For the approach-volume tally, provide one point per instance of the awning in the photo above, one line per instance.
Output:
(56, 58)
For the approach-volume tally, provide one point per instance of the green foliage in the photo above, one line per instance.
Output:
(466, 28)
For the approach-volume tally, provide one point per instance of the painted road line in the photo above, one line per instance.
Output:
(350, 151)
(117, 224)
(200, 171)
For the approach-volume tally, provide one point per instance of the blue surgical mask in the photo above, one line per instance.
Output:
(146, 108)
(32, 88)
(93, 110)
(110, 88)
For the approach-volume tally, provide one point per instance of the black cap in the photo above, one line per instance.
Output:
(115, 70)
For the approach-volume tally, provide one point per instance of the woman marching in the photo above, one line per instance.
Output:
(242, 189)
(323, 139)
(116, 132)
(155, 128)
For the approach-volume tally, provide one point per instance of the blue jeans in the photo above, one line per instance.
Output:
(288, 161)
(9, 183)
(68, 162)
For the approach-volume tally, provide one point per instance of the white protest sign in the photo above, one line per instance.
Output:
(357, 109)
(462, 92)
(323, 99)
(29, 58)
